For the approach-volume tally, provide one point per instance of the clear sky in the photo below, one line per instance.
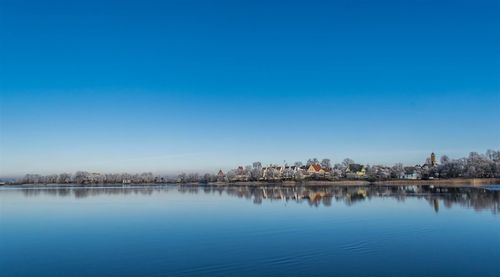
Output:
(165, 86)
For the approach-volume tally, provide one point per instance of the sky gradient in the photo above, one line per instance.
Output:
(169, 86)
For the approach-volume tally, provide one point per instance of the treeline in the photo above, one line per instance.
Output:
(83, 177)
(475, 165)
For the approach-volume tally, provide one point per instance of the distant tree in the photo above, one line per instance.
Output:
(231, 175)
(82, 177)
(288, 173)
(444, 159)
(147, 177)
(64, 178)
(32, 179)
(271, 173)
(298, 175)
(312, 161)
(207, 178)
(397, 171)
(347, 162)
(182, 178)
(325, 163)
(298, 164)
(493, 155)
(51, 179)
(193, 178)
(256, 171)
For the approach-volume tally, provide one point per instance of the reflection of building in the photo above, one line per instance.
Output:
(469, 197)
(436, 205)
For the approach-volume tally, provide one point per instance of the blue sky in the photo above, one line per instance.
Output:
(166, 86)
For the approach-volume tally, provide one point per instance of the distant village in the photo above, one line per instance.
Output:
(476, 165)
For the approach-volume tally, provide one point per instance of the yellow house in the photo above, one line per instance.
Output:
(315, 168)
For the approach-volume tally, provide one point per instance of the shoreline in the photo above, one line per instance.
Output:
(456, 182)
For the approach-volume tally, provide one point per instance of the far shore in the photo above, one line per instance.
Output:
(443, 182)
(457, 182)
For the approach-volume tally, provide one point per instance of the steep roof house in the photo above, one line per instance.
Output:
(315, 168)
(221, 176)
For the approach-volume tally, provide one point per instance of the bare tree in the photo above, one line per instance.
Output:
(312, 161)
(347, 162)
(325, 163)
(256, 171)
(231, 175)
(64, 178)
(397, 171)
(82, 177)
(182, 178)
(444, 159)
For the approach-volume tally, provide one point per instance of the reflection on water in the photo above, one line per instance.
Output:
(247, 231)
(469, 197)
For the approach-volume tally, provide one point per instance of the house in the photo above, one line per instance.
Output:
(221, 176)
(356, 170)
(315, 169)
(410, 173)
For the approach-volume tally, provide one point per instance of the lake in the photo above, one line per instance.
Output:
(250, 231)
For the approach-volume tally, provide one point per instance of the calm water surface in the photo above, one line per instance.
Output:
(237, 231)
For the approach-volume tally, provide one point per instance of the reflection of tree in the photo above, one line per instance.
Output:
(476, 198)
(80, 192)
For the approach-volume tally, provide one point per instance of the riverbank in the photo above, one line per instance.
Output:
(296, 183)
(457, 182)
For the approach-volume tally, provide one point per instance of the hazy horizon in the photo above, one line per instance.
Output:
(178, 86)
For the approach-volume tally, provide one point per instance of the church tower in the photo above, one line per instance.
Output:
(433, 159)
